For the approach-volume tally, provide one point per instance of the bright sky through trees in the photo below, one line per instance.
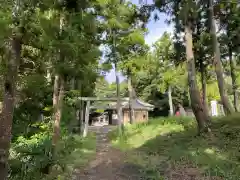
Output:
(155, 30)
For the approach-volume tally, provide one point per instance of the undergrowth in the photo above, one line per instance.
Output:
(169, 148)
(31, 153)
(31, 157)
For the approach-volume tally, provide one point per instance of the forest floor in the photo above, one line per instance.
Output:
(109, 162)
(166, 149)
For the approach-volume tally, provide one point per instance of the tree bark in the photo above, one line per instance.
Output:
(204, 87)
(119, 111)
(170, 100)
(85, 131)
(58, 110)
(78, 86)
(197, 107)
(218, 64)
(81, 115)
(234, 78)
(82, 109)
(6, 116)
(55, 91)
(58, 93)
(49, 76)
(130, 93)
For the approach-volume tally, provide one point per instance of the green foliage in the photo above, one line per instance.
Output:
(124, 35)
(48, 47)
(63, 37)
(157, 72)
(169, 144)
(31, 157)
(105, 89)
(32, 104)
(212, 92)
(73, 152)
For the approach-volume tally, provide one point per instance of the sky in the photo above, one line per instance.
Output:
(155, 31)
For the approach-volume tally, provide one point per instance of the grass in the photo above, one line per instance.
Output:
(31, 158)
(82, 151)
(169, 148)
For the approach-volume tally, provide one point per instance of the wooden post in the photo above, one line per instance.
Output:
(85, 131)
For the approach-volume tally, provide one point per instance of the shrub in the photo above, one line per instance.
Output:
(30, 156)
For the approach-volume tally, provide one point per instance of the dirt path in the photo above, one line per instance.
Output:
(109, 162)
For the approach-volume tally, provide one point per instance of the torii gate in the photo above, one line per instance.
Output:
(87, 110)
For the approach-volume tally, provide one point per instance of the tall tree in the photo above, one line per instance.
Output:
(228, 14)
(197, 106)
(155, 75)
(74, 49)
(58, 90)
(33, 47)
(183, 15)
(119, 109)
(122, 19)
(165, 53)
(132, 48)
(217, 62)
(202, 50)
(10, 88)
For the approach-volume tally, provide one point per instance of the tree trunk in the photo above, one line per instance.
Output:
(6, 116)
(55, 91)
(58, 110)
(55, 104)
(58, 93)
(78, 86)
(72, 84)
(82, 108)
(49, 76)
(85, 131)
(81, 116)
(130, 92)
(170, 100)
(119, 111)
(218, 64)
(197, 107)
(234, 79)
(204, 87)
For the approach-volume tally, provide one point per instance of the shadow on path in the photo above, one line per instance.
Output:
(109, 163)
